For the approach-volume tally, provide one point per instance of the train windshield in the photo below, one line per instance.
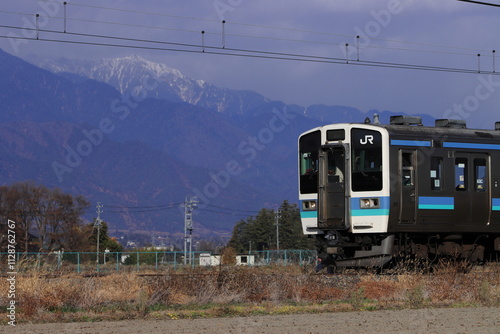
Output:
(308, 155)
(366, 157)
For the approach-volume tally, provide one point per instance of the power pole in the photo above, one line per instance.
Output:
(277, 216)
(189, 206)
(97, 224)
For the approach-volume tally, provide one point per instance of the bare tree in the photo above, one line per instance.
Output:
(51, 215)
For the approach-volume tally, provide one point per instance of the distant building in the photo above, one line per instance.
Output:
(245, 260)
(208, 260)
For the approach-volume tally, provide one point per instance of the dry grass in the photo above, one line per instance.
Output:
(243, 291)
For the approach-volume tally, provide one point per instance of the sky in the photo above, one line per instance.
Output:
(443, 34)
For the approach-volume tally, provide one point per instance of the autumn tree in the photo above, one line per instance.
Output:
(46, 219)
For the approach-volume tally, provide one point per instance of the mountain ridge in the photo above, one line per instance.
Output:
(77, 141)
(130, 74)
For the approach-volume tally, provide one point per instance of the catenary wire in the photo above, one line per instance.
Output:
(233, 52)
(481, 3)
(260, 26)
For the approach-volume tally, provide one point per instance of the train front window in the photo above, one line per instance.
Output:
(308, 159)
(366, 160)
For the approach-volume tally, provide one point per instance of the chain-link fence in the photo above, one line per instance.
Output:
(141, 261)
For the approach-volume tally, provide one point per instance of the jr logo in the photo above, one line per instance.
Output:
(368, 139)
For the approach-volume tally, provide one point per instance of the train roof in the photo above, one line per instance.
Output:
(412, 127)
(444, 128)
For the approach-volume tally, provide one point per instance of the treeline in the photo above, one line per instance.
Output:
(46, 219)
(260, 233)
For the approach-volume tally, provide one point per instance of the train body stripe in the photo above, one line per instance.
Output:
(436, 203)
(369, 212)
(472, 145)
(495, 204)
(420, 143)
(309, 214)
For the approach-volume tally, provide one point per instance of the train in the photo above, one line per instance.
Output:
(371, 193)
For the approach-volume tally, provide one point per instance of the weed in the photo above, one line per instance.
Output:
(357, 298)
(485, 294)
(235, 291)
(415, 297)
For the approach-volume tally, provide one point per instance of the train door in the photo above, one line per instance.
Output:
(407, 186)
(472, 188)
(331, 189)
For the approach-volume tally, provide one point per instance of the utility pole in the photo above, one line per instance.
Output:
(277, 216)
(97, 224)
(189, 206)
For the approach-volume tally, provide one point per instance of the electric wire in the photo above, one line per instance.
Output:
(481, 3)
(195, 48)
(129, 10)
(266, 27)
(144, 207)
(223, 208)
(225, 213)
(290, 39)
(154, 208)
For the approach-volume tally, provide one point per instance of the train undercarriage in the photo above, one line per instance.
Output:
(338, 249)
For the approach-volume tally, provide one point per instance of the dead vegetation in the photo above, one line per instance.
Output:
(233, 290)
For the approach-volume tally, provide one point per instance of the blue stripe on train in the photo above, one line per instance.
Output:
(495, 204)
(436, 203)
(419, 143)
(309, 214)
(472, 145)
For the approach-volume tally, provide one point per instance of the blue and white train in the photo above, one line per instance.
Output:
(370, 192)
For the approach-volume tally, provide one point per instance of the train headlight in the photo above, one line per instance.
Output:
(369, 203)
(309, 205)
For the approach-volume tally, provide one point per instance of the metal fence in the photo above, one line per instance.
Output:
(141, 261)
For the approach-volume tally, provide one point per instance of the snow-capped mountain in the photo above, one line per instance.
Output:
(136, 75)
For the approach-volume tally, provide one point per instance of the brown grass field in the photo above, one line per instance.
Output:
(243, 291)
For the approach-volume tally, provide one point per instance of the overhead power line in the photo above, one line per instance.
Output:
(164, 207)
(481, 3)
(171, 205)
(231, 209)
(441, 48)
(215, 50)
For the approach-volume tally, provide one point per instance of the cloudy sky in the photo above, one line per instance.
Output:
(446, 35)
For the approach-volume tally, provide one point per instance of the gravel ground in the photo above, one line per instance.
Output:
(442, 321)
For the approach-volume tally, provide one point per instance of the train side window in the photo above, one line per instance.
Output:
(480, 175)
(407, 164)
(336, 165)
(436, 173)
(461, 174)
